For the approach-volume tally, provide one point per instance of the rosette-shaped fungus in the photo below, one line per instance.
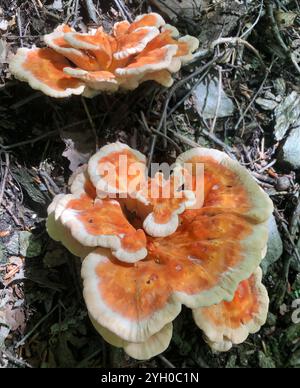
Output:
(230, 323)
(150, 253)
(95, 62)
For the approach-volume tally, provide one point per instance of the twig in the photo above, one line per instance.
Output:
(163, 120)
(288, 235)
(278, 37)
(143, 121)
(220, 143)
(75, 12)
(295, 220)
(184, 139)
(255, 96)
(36, 9)
(32, 141)
(52, 15)
(218, 101)
(193, 88)
(166, 362)
(229, 40)
(275, 27)
(29, 334)
(271, 164)
(26, 100)
(90, 119)
(16, 221)
(151, 153)
(294, 60)
(15, 360)
(237, 40)
(91, 10)
(45, 135)
(4, 180)
(19, 23)
(261, 11)
(88, 358)
(211, 136)
(49, 181)
(123, 10)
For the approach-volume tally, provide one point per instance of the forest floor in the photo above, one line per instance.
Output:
(43, 319)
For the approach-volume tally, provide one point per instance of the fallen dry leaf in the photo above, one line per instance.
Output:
(80, 145)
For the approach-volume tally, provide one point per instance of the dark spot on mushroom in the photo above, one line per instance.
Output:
(152, 278)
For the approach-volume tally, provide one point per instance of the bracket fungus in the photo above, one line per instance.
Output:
(95, 62)
(230, 323)
(147, 255)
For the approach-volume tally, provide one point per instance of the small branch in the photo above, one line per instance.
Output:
(15, 360)
(19, 23)
(255, 96)
(261, 11)
(220, 143)
(275, 27)
(166, 362)
(45, 135)
(29, 334)
(92, 124)
(91, 10)
(278, 37)
(144, 123)
(237, 40)
(26, 142)
(295, 250)
(4, 180)
(219, 100)
(123, 10)
(295, 220)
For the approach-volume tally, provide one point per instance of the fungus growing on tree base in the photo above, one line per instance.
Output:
(95, 62)
(136, 277)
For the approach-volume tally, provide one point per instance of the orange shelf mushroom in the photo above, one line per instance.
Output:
(230, 323)
(136, 277)
(162, 205)
(95, 62)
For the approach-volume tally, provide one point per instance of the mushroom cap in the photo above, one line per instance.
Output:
(98, 44)
(59, 233)
(124, 299)
(228, 186)
(121, 28)
(56, 41)
(187, 46)
(80, 183)
(230, 323)
(174, 31)
(43, 70)
(155, 60)
(96, 222)
(147, 20)
(153, 346)
(117, 169)
(166, 202)
(135, 42)
(162, 77)
(96, 80)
